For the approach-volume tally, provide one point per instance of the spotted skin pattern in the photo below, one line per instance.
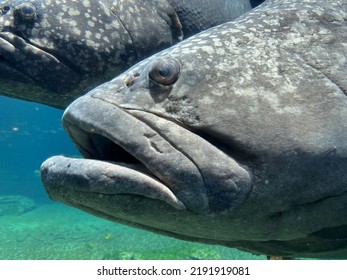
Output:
(54, 51)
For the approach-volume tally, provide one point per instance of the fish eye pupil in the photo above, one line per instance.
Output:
(27, 11)
(164, 71)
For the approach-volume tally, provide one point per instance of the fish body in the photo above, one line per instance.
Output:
(52, 51)
(235, 136)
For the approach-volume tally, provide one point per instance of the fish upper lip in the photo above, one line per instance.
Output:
(135, 143)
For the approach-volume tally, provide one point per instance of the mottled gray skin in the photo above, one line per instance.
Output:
(239, 135)
(54, 51)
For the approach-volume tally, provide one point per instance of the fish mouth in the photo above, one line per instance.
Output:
(134, 152)
(24, 62)
(121, 146)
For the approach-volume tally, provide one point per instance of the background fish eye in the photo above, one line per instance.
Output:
(26, 11)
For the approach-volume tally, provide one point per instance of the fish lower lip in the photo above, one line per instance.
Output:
(6, 46)
(8, 72)
(61, 174)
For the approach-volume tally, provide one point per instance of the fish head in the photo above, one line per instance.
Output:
(48, 49)
(149, 154)
(52, 52)
(163, 137)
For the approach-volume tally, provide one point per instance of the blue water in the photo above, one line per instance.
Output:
(29, 134)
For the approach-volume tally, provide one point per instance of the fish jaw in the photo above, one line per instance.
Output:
(102, 178)
(200, 176)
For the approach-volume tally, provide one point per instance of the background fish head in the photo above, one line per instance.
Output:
(51, 52)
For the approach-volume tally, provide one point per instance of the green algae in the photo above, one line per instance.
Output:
(57, 232)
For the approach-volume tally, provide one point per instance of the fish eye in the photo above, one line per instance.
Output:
(26, 11)
(164, 72)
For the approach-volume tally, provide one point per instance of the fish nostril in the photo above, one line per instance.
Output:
(130, 80)
(4, 10)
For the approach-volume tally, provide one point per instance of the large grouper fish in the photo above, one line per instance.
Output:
(236, 136)
(54, 51)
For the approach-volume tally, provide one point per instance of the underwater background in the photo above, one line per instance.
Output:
(34, 227)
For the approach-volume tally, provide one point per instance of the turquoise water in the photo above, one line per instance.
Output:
(33, 227)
